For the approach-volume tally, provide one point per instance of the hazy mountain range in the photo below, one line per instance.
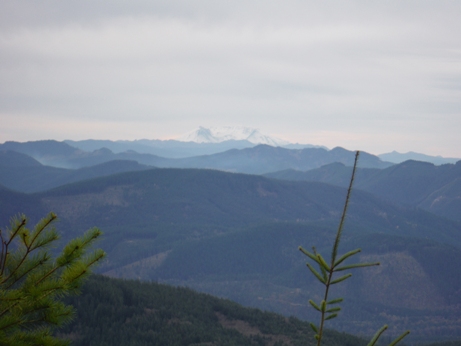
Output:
(202, 141)
(410, 183)
(396, 157)
(255, 160)
(236, 235)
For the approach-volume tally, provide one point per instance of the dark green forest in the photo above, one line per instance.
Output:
(128, 312)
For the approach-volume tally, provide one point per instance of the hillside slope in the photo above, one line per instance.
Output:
(22, 173)
(416, 287)
(115, 312)
(203, 202)
(411, 183)
(217, 232)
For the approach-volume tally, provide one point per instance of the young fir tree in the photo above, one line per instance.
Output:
(328, 308)
(32, 282)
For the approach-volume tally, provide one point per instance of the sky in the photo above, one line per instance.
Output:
(376, 76)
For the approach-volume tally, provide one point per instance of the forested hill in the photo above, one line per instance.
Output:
(120, 312)
(187, 203)
(126, 312)
(236, 236)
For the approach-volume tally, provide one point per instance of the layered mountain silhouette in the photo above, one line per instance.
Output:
(396, 157)
(236, 235)
(21, 172)
(256, 160)
(411, 183)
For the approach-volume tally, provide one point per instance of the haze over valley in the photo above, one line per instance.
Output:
(229, 223)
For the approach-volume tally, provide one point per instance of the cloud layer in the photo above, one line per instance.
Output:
(363, 75)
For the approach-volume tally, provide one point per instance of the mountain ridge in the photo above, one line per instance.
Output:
(413, 183)
(169, 217)
(396, 157)
(253, 160)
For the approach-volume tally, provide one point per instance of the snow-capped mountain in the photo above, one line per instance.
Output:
(226, 133)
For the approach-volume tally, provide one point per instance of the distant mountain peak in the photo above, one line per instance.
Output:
(397, 157)
(227, 133)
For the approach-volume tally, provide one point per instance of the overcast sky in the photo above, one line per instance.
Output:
(369, 75)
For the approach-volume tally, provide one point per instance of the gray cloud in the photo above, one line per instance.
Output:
(368, 75)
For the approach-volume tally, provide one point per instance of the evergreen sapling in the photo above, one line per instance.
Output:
(32, 282)
(329, 308)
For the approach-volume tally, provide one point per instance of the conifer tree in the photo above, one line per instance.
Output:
(32, 281)
(329, 308)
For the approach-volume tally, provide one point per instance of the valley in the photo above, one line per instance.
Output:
(236, 235)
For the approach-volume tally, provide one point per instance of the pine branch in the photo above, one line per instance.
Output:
(34, 282)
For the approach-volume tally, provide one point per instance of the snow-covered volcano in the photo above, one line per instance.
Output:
(226, 133)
